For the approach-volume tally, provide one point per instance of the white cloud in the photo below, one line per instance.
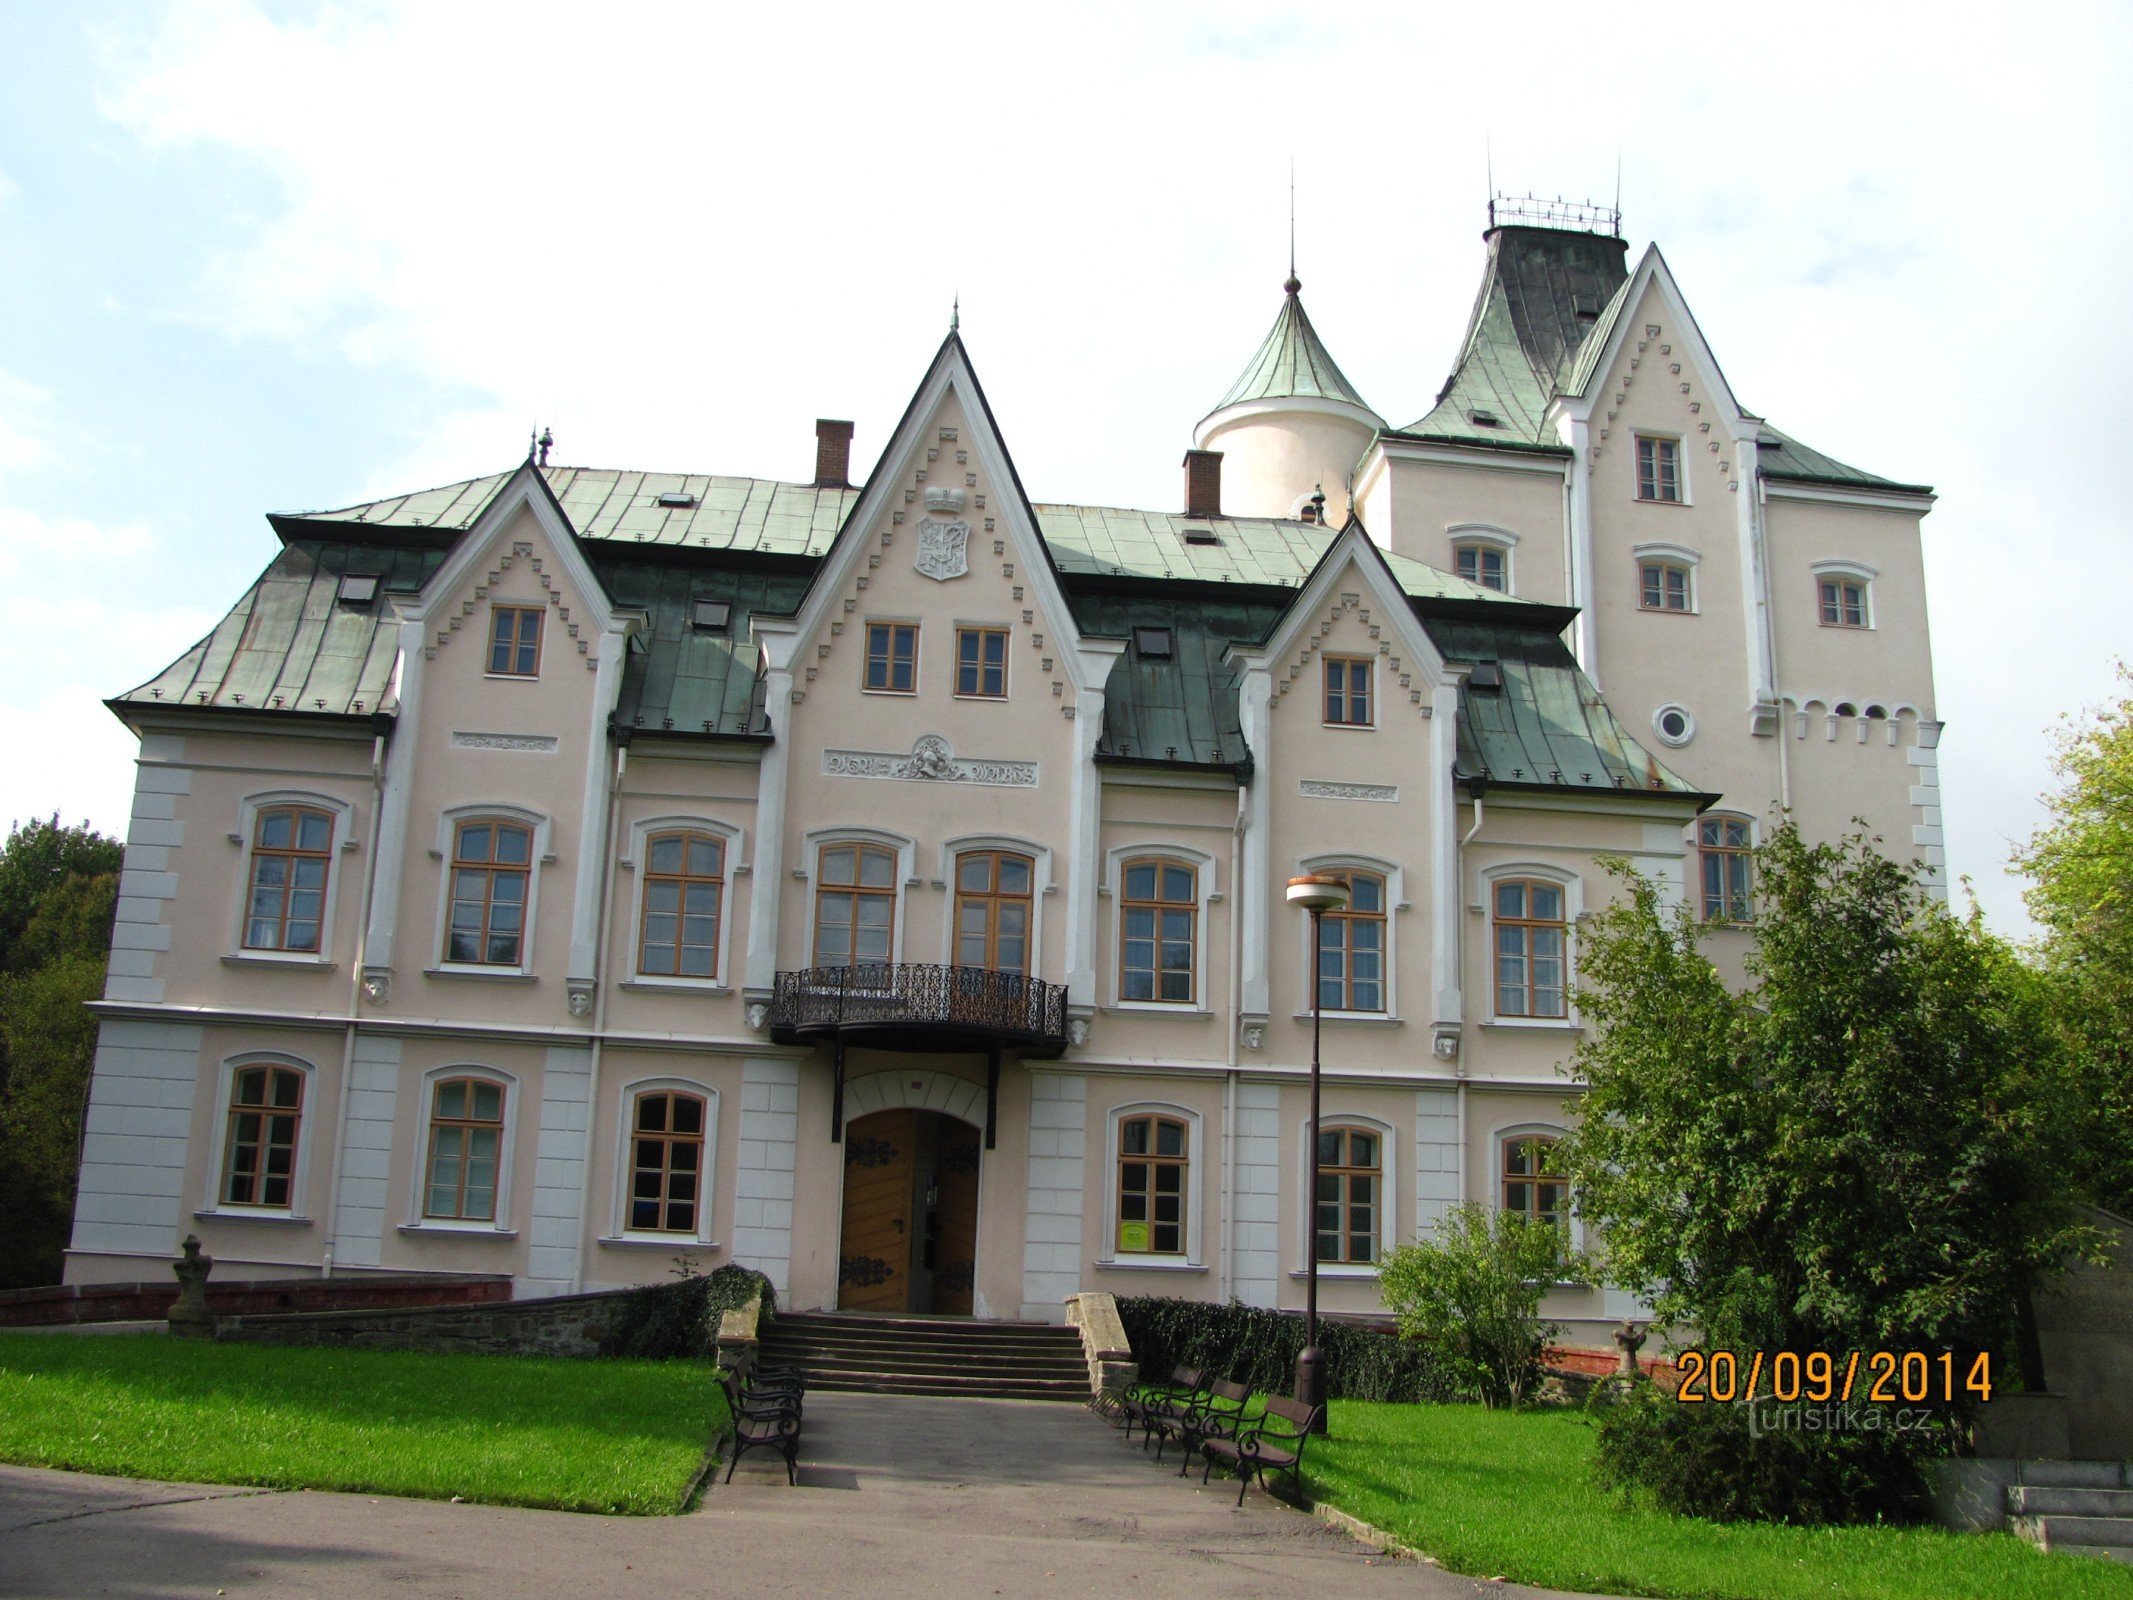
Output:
(24, 409)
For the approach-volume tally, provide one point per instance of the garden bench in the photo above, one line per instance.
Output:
(1145, 1402)
(1216, 1414)
(763, 1419)
(1273, 1442)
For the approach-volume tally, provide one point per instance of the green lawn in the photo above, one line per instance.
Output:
(1511, 1494)
(612, 1436)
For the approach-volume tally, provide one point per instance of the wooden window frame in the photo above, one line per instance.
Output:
(468, 1125)
(1734, 903)
(1665, 571)
(1831, 609)
(1342, 1171)
(1151, 1161)
(993, 899)
(1341, 925)
(491, 869)
(855, 891)
(1664, 472)
(1531, 1184)
(977, 664)
(256, 1171)
(684, 880)
(1528, 925)
(515, 645)
(1342, 705)
(1481, 553)
(291, 857)
(1159, 907)
(668, 1140)
(889, 633)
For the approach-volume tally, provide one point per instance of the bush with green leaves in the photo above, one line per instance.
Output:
(1258, 1347)
(1472, 1295)
(678, 1321)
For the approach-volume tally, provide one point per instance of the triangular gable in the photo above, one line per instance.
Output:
(523, 489)
(1353, 545)
(1087, 664)
(1652, 271)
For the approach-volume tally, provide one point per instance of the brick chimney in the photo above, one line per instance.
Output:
(1203, 483)
(833, 454)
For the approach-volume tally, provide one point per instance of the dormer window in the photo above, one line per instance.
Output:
(710, 616)
(1481, 417)
(677, 500)
(1152, 644)
(358, 588)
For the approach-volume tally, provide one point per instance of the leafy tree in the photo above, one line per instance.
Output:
(2082, 862)
(38, 858)
(1473, 1296)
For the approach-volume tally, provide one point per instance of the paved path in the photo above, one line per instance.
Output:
(933, 1499)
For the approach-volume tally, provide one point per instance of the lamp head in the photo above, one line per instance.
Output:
(1318, 892)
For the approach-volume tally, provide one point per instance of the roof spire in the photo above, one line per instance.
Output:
(1295, 283)
(955, 314)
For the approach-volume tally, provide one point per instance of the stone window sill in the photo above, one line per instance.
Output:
(706, 986)
(446, 1230)
(1348, 1271)
(285, 1219)
(640, 1241)
(1366, 1019)
(1122, 1265)
(1156, 1008)
(283, 963)
(1537, 1024)
(481, 974)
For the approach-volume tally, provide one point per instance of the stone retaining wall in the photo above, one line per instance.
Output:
(150, 1302)
(565, 1325)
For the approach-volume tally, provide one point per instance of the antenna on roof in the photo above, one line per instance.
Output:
(1294, 283)
(1618, 188)
(1488, 167)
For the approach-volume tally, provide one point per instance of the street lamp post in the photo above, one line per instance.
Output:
(1317, 893)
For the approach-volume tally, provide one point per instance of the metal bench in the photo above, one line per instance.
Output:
(1146, 1403)
(1218, 1414)
(1273, 1442)
(764, 1419)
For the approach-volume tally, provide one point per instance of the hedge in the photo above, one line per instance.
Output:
(679, 1320)
(1258, 1348)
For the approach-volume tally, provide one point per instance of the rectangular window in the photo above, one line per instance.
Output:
(892, 657)
(515, 642)
(1158, 931)
(666, 1163)
(1348, 691)
(1348, 1173)
(1152, 1163)
(1531, 939)
(855, 905)
(466, 1150)
(981, 662)
(285, 902)
(1662, 586)
(1843, 603)
(1351, 947)
(492, 868)
(1659, 469)
(259, 1157)
(1480, 563)
(1534, 1186)
(1723, 850)
(992, 910)
(684, 886)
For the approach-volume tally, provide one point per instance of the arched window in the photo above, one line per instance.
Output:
(1664, 586)
(1532, 946)
(1159, 918)
(855, 905)
(492, 869)
(1154, 1156)
(1351, 946)
(1534, 1185)
(666, 1161)
(1482, 564)
(1842, 601)
(1723, 852)
(259, 1152)
(684, 897)
(1350, 1187)
(285, 900)
(461, 1177)
(993, 900)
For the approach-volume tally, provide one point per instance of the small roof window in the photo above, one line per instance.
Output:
(710, 616)
(1152, 644)
(1481, 417)
(680, 499)
(1200, 533)
(1486, 675)
(359, 588)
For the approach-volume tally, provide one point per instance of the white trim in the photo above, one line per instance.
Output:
(1659, 727)
(906, 853)
(340, 844)
(1866, 497)
(1041, 887)
(1285, 405)
(219, 1134)
(448, 824)
(418, 1221)
(1395, 877)
(1108, 1254)
(735, 865)
(1305, 1227)
(1204, 889)
(1672, 555)
(620, 1231)
(1573, 907)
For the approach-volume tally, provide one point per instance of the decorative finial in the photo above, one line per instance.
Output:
(533, 446)
(955, 314)
(1294, 283)
(547, 444)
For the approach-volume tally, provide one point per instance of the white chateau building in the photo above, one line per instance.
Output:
(567, 870)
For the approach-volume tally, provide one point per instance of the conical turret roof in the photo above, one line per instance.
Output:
(1292, 363)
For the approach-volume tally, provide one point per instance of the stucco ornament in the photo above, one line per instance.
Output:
(943, 549)
(377, 985)
(932, 758)
(1077, 1030)
(758, 1013)
(1254, 1035)
(581, 1002)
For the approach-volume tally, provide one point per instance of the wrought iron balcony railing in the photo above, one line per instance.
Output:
(915, 1006)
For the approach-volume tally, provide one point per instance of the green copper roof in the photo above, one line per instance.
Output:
(683, 679)
(1784, 457)
(1182, 708)
(1292, 363)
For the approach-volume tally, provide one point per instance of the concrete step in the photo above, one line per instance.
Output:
(2076, 1474)
(2029, 1499)
(900, 1323)
(892, 1361)
(947, 1355)
(2122, 1554)
(948, 1386)
(2056, 1532)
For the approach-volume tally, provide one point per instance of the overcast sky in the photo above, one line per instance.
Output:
(280, 257)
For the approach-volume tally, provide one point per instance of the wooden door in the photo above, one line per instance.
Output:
(956, 1219)
(874, 1250)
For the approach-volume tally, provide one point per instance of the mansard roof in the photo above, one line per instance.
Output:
(1293, 363)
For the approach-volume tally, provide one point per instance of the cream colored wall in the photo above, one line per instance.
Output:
(1201, 1095)
(1420, 509)
(1142, 817)
(1272, 461)
(1341, 1098)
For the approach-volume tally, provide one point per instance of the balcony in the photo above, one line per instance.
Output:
(900, 1006)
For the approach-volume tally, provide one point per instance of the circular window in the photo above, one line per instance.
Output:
(1674, 725)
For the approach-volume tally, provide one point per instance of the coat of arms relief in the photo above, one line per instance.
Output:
(943, 549)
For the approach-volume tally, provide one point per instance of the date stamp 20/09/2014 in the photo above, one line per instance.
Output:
(1878, 1377)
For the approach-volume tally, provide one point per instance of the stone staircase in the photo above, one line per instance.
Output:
(929, 1355)
(2075, 1507)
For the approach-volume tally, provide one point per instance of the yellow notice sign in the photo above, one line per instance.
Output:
(1133, 1236)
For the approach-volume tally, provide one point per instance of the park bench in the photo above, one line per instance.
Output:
(1146, 1402)
(1218, 1414)
(764, 1418)
(1273, 1442)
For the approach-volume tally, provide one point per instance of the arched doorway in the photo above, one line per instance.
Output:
(909, 1241)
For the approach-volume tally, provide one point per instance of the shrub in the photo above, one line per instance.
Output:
(679, 1320)
(1474, 1295)
(1709, 1461)
(1258, 1348)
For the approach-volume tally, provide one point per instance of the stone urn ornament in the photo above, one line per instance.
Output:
(189, 1316)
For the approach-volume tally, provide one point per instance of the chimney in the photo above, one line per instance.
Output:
(1203, 483)
(833, 454)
